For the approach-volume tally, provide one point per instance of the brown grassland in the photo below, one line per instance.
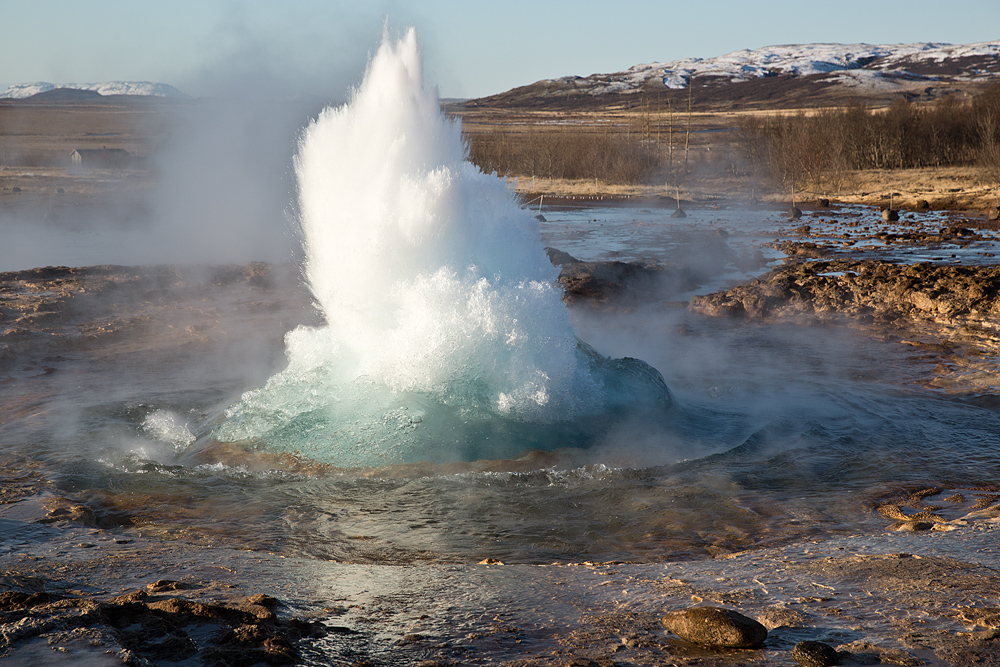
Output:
(36, 141)
(946, 152)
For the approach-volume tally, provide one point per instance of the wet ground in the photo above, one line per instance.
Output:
(637, 234)
(773, 493)
(894, 598)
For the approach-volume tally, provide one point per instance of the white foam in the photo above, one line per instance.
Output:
(433, 281)
(426, 269)
(166, 427)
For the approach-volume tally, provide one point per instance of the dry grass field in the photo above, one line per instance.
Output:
(700, 158)
(44, 134)
(36, 141)
(649, 147)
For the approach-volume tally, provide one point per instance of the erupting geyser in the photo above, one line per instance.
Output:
(446, 335)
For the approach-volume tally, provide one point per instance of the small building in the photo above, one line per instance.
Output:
(100, 158)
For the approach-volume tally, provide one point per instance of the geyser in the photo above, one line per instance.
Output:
(446, 336)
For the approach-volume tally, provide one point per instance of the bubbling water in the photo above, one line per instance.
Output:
(445, 331)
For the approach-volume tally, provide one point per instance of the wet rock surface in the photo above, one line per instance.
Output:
(603, 281)
(625, 284)
(147, 627)
(892, 600)
(948, 315)
(715, 627)
(62, 309)
(883, 292)
(815, 654)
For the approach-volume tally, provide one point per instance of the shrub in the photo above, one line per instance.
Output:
(606, 156)
(986, 110)
(788, 151)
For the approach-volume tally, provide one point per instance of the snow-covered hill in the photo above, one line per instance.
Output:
(800, 60)
(886, 67)
(23, 90)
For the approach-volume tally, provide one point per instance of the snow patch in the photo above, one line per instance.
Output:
(882, 62)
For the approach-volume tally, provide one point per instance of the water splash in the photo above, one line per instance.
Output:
(167, 427)
(446, 334)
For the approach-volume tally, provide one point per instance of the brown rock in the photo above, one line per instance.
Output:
(956, 231)
(866, 653)
(162, 585)
(263, 600)
(715, 627)
(815, 654)
(130, 598)
(560, 257)
(61, 509)
(600, 281)
(14, 600)
(912, 526)
(871, 290)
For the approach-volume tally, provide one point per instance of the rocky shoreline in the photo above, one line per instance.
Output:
(878, 292)
(948, 315)
(152, 624)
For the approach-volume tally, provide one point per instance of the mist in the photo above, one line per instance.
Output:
(225, 192)
(209, 180)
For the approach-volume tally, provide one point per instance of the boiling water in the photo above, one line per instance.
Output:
(445, 332)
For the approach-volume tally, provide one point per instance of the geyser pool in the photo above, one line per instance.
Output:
(445, 332)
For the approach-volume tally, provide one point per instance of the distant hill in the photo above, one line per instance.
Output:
(65, 95)
(25, 90)
(790, 75)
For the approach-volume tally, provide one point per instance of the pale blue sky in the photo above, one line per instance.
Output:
(471, 48)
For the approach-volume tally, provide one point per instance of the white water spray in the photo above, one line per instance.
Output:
(443, 315)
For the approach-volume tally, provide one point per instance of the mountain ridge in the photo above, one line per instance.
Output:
(22, 91)
(920, 69)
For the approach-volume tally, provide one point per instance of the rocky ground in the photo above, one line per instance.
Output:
(874, 292)
(79, 585)
(151, 625)
(946, 310)
(77, 594)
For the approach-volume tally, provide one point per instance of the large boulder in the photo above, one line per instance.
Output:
(601, 281)
(624, 281)
(715, 627)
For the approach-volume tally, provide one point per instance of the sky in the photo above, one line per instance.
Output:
(471, 48)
